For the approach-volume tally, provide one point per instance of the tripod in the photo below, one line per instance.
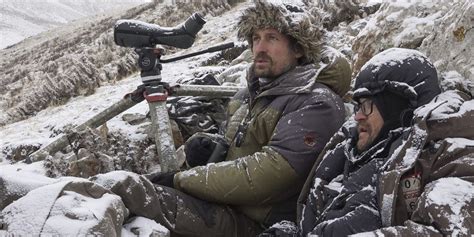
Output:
(156, 94)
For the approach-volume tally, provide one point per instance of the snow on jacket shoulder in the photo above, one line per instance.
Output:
(289, 123)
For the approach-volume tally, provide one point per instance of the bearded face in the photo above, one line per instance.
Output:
(272, 53)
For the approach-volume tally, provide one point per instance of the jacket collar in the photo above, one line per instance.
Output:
(295, 81)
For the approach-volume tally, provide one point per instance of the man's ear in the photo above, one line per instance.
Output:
(298, 54)
(298, 51)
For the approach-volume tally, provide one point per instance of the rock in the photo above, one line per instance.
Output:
(91, 165)
(181, 156)
(409, 25)
(21, 152)
(245, 56)
(452, 80)
(57, 165)
(335, 12)
(85, 167)
(177, 137)
(234, 74)
(103, 132)
(134, 119)
(90, 154)
(83, 153)
(450, 45)
(152, 160)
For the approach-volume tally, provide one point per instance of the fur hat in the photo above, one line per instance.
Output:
(290, 20)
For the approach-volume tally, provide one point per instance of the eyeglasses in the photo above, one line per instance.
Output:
(366, 106)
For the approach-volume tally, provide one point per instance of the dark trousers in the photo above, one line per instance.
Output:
(182, 214)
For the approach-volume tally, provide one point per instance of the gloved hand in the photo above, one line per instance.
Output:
(165, 179)
(198, 149)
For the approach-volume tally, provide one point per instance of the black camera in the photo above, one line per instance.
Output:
(138, 34)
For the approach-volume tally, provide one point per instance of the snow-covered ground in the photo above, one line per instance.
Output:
(39, 129)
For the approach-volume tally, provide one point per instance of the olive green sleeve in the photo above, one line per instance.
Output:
(252, 180)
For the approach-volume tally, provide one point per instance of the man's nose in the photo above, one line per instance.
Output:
(260, 46)
(359, 115)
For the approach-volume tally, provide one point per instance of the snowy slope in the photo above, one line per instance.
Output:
(49, 68)
(22, 19)
(41, 128)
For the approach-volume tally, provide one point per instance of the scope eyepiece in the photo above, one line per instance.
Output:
(138, 34)
(194, 24)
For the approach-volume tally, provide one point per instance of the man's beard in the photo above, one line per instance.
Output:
(264, 72)
(365, 145)
(269, 70)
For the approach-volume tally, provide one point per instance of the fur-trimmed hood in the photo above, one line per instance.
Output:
(290, 20)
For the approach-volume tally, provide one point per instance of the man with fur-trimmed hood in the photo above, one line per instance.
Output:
(276, 128)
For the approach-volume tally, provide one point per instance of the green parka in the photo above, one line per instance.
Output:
(283, 127)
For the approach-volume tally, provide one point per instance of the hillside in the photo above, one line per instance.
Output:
(22, 19)
(74, 60)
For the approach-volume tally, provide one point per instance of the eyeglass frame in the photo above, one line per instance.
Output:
(360, 105)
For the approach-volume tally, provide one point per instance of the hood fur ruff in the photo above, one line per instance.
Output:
(289, 20)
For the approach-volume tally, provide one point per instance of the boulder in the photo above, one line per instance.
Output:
(439, 29)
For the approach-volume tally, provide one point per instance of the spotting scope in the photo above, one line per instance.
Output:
(138, 34)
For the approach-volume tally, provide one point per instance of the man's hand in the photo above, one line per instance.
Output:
(165, 179)
(198, 150)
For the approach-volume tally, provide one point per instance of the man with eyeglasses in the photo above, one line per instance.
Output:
(276, 128)
(401, 166)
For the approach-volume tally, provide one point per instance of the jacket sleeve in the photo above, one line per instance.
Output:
(279, 169)
(254, 179)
